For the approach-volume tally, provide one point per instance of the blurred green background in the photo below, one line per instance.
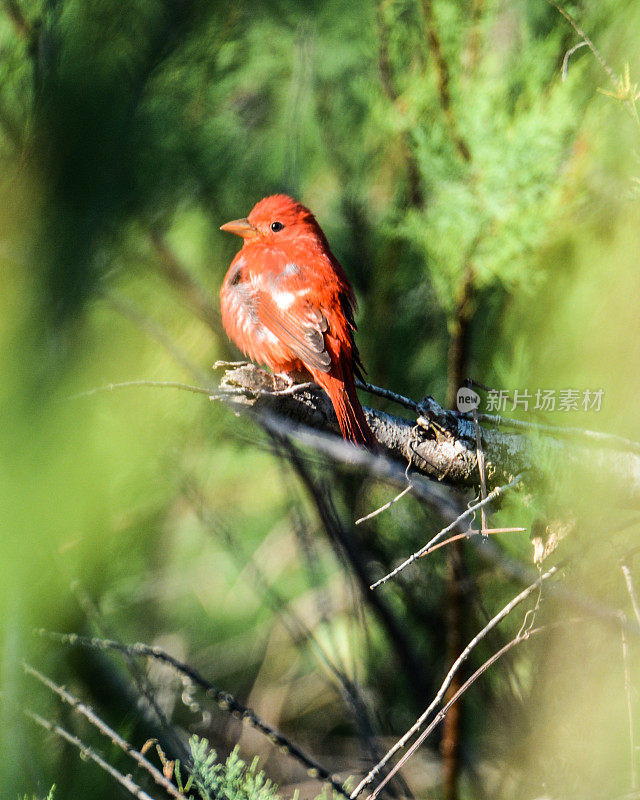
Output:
(487, 214)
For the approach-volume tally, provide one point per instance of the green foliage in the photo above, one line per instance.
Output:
(50, 795)
(233, 779)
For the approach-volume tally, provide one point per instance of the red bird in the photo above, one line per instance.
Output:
(287, 303)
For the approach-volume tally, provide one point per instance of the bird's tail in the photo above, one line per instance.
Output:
(341, 389)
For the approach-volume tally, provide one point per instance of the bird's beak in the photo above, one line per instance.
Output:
(241, 227)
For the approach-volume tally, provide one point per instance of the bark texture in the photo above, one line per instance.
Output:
(441, 444)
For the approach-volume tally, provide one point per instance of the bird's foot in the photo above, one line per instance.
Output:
(286, 378)
(297, 387)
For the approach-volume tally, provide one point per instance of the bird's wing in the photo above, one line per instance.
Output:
(298, 325)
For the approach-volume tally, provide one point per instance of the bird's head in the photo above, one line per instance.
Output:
(275, 219)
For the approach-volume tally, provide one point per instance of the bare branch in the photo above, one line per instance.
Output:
(110, 387)
(499, 490)
(88, 753)
(627, 691)
(586, 39)
(470, 534)
(443, 445)
(389, 395)
(222, 698)
(449, 677)
(102, 726)
(384, 507)
(527, 634)
(631, 589)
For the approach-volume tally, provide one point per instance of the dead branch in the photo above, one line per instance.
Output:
(224, 699)
(442, 445)
(105, 729)
(87, 753)
(433, 542)
(449, 677)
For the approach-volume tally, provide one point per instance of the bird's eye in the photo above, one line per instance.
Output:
(276, 226)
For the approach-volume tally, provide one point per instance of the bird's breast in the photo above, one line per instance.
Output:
(239, 304)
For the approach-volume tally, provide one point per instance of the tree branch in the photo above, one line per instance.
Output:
(441, 444)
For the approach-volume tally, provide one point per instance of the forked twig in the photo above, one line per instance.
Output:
(527, 634)
(499, 490)
(449, 677)
(470, 534)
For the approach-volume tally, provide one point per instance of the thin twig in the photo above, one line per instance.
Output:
(109, 387)
(615, 80)
(406, 402)
(504, 612)
(443, 711)
(631, 589)
(106, 730)
(87, 752)
(497, 492)
(481, 470)
(627, 690)
(224, 699)
(559, 430)
(470, 534)
(586, 39)
(187, 387)
(567, 56)
(395, 499)
(626, 572)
